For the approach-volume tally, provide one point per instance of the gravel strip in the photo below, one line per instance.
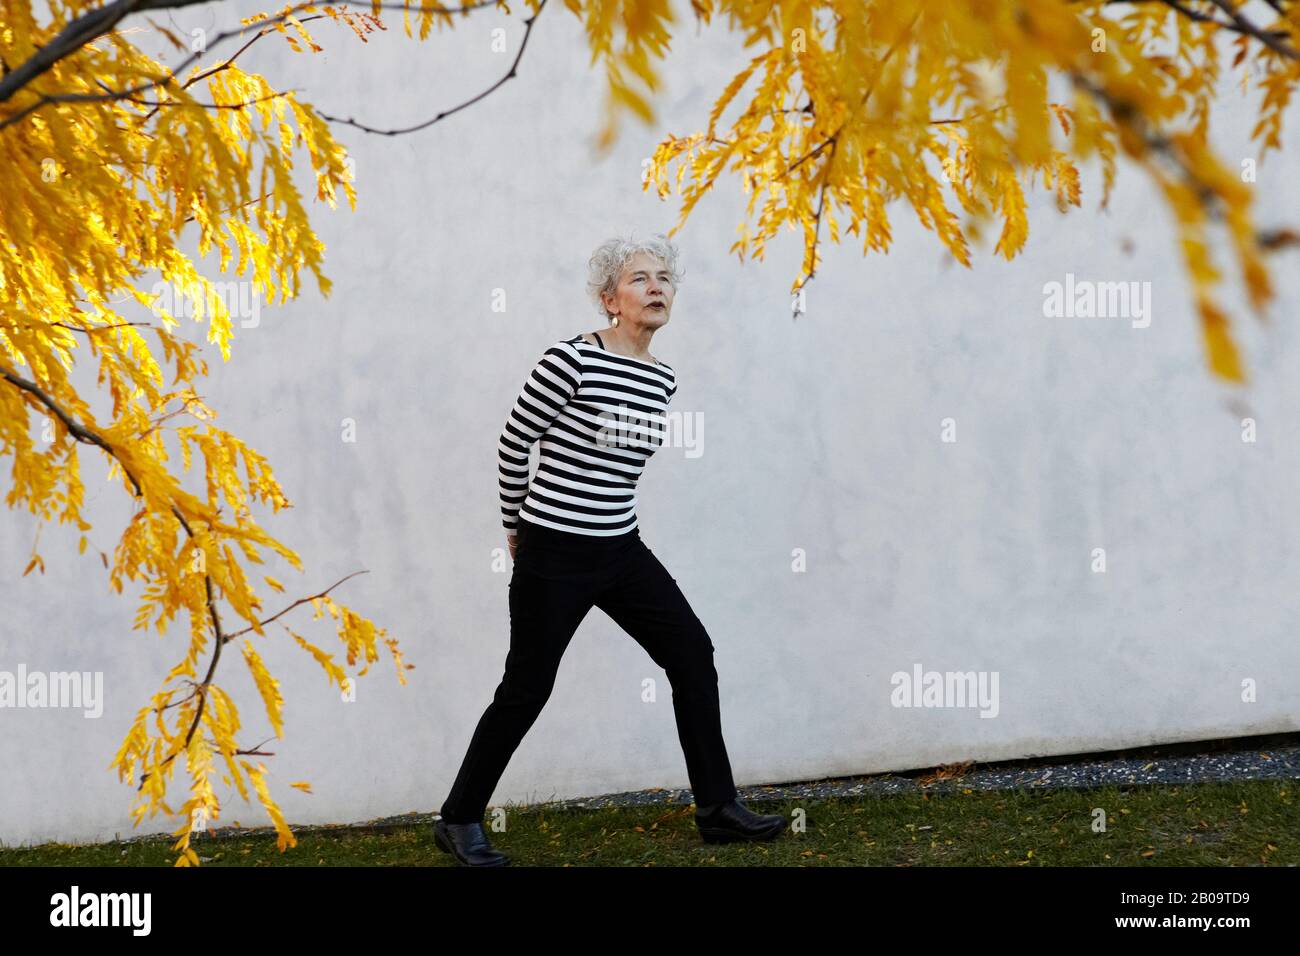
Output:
(1278, 759)
(1276, 756)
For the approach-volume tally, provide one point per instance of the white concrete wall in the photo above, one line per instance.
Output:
(821, 434)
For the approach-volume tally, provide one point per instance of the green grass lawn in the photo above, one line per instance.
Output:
(1214, 824)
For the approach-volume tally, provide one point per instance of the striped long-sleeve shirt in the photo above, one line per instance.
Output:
(599, 416)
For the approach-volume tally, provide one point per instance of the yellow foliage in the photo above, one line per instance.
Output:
(99, 190)
(847, 107)
(267, 686)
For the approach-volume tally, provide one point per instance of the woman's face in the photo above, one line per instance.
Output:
(644, 294)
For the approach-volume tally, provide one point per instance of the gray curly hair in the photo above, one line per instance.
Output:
(612, 256)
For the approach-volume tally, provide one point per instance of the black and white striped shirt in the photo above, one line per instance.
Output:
(600, 416)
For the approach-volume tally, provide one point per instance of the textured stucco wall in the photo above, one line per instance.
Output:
(822, 443)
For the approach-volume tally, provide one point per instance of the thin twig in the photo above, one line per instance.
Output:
(235, 634)
(528, 29)
(94, 27)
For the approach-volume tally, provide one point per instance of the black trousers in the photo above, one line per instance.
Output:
(558, 577)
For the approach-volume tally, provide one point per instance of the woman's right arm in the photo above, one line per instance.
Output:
(553, 381)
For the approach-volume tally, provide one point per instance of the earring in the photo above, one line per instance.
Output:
(613, 321)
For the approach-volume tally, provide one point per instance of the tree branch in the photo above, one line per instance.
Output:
(1269, 40)
(81, 433)
(1195, 14)
(235, 634)
(75, 428)
(94, 29)
(208, 106)
(1237, 24)
(77, 34)
(528, 29)
(865, 96)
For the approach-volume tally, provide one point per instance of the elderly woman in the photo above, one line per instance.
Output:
(597, 401)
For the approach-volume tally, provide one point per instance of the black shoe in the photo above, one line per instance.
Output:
(733, 821)
(468, 843)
